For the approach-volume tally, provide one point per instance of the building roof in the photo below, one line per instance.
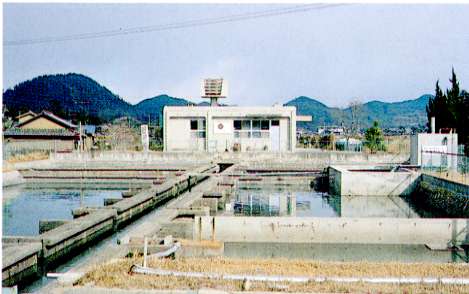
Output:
(26, 114)
(49, 115)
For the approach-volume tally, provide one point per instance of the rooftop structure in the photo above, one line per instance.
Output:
(214, 89)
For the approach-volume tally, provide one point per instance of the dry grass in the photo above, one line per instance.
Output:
(116, 275)
(398, 144)
(28, 157)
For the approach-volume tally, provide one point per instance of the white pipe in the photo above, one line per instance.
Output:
(167, 252)
(301, 279)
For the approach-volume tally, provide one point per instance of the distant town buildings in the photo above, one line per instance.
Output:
(331, 130)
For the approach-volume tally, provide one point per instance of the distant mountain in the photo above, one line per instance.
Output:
(78, 97)
(395, 114)
(67, 95)
(152, 108)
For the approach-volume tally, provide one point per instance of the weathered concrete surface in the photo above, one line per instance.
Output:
(61, 242)
(300, 158)
(47, 225)
(346, 181)
(339, 252)
(457, 188)
(111, 201)
(331, 230)
(20, 262)
(12, 178)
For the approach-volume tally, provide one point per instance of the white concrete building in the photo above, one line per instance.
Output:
(434, 150)
(230, 128)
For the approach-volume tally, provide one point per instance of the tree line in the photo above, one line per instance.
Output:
(451, 111)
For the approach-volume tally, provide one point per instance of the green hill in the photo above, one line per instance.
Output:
(73, 96)
(80, 98)
(409, 113)
(152, 108)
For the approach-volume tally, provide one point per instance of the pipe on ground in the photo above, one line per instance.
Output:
(299, 279)
(167, 252)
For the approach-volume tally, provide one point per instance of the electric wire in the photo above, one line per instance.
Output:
(177, 25)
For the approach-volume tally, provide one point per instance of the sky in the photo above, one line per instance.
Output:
(387, 52)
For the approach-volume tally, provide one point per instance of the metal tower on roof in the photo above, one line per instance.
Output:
(214, 89)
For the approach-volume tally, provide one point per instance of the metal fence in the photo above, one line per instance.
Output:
(452, 166)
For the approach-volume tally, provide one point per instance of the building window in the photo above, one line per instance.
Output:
(198, 128)
(246, 125)
(237, 124)
(256, 128)
(275, 123)
(256, 125)
(194, 125)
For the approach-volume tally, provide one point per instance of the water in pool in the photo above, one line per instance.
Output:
(302, 201)
(23, 206)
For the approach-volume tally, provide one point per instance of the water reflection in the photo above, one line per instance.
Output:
(301, 201)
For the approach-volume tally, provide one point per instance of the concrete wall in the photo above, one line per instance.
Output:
(298, 159)
(12, 178)
(179, 137)
(346, 181)
(331, 230)
(443, 183)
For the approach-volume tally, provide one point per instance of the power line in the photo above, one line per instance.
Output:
(173, 26)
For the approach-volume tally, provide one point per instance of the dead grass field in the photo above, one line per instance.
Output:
(28, 157)
(115, 275)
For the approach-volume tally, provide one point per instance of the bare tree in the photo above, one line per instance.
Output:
(356, 110)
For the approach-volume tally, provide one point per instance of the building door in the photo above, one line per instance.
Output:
(275, 135)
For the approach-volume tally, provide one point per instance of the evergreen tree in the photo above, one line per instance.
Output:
(451, 110)
(374, 138)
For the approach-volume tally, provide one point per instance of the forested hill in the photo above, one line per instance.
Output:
(152, 108)
(68, 95)
(409, 113)
(80, 98)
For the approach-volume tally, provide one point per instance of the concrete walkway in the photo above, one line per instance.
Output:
(146, 226)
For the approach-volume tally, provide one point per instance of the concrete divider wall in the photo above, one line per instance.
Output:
(322, 157)
(20, 262)
(59, 242)
(64, 241)
(331, 230)
(446, 184)
(346, 182)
